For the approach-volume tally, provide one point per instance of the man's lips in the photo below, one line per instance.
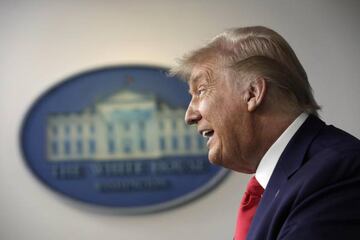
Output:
(207, 133)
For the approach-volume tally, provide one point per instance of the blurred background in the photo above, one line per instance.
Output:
(43, 42)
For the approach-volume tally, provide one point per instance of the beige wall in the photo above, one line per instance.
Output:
(42, 42)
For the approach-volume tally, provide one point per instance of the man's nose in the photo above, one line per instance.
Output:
(192, 115)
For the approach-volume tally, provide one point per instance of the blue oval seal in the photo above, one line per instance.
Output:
(116, 137)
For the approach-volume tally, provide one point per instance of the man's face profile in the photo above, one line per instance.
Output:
(220, 112)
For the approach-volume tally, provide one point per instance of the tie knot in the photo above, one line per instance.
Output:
(254, 187)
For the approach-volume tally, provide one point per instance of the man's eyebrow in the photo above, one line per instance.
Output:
(193, 81)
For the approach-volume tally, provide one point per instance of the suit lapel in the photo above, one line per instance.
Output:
(290, 161)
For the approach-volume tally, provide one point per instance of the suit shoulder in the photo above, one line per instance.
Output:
(336, 140)
(333, 152)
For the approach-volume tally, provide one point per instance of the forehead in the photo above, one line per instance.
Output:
(205, 72)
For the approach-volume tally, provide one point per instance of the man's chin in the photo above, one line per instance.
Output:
(214, 159)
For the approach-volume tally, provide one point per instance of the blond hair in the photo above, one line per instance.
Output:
(255, 50)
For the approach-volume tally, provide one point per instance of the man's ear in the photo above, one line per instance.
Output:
(255, 93)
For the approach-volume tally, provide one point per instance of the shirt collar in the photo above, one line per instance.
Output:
(271, 157)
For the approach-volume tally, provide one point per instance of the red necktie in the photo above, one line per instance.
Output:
(247, 209)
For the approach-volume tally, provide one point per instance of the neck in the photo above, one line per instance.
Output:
(271, 126)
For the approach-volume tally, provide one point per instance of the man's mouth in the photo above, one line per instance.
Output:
(207, 133)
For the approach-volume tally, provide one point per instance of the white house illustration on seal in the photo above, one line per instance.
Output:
(127, 125)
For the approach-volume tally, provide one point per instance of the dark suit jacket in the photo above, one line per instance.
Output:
(314, 191)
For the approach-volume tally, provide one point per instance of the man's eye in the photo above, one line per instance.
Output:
(200, 91)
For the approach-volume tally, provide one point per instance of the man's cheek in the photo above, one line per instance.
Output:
(203, 108)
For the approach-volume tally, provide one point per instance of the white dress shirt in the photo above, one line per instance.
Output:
(271, 157)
